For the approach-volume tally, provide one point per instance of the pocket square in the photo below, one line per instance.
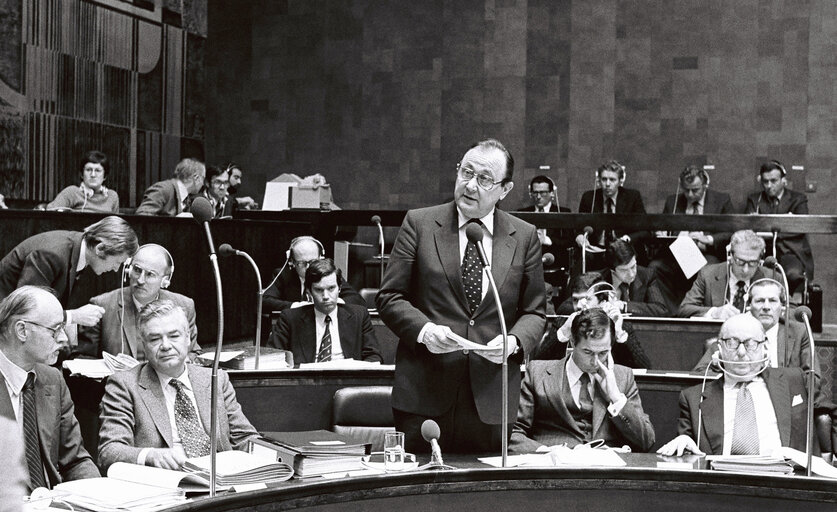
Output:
(797, 399)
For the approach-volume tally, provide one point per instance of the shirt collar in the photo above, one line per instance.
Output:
(487, 221)
(140, 306)
(182, 191)
(574, 373)
(165, 379)
(15, 375)
(773, 333)
(82, 256)
(546, 208)
(320, 316)
(730, 381)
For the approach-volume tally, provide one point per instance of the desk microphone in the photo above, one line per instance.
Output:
(202, 213)
(475, 234)
(376, 219)
(431, 433)
(548, 259)
(803, 314)
(226, 250)
(585, 244)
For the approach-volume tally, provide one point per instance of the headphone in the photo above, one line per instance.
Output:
(129, 265)
(612, 166)
(303, 238)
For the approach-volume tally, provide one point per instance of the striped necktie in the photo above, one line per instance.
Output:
(745, 430)
(30, 433)
(324, 353)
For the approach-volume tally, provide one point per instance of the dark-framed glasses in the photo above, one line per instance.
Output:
(746, 263)
(54, 330)
(485, 181)
(749, 345)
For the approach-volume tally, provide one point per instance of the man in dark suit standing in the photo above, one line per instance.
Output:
(610, 196)
(171, 197)
(325, 330)
(556, 241)
(33, 394)
(792, 249)
(56, 259)
(434, 285)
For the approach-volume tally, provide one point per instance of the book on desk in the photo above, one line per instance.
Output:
(313, 452)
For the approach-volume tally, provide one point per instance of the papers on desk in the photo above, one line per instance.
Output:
(688, 255)
(580, 456)
(759, 464)
(344, 364)
(100, 368)
(112, 495)
(269, 361)
(159, 477)
(819, 466)
(234, 467)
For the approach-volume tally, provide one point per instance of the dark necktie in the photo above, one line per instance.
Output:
(324, 353)
(30, 433)
(585, 401)
(625, 292)
(611, 208)
(193, 437)
(745, 430)
(472, 273)
(738, 300)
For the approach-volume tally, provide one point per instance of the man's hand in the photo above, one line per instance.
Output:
(606, 379)
(580, 240)
(496, 356)
(678, 445)
(247, 203)
(166, 458)
(625, 238)
(87, 315)
(437, 341)
(724, 312)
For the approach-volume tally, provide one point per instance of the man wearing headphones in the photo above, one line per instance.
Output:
(753, 409)
(289, 287)
(792, 249)
(721, 290)
(149, 273)
(555, 241)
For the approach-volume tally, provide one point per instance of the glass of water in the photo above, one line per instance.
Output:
(394, 451)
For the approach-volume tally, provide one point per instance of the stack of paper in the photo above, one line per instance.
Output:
(90, 368)
(111, 495)
(159, 477)
(342, 364)
(316, 452)
(236, 468)
(119, 362)
(762, 464)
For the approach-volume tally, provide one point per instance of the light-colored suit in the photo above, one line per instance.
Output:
(161, 199)
(134, 414)
(108, 334)
(710, 289)
(62, 448)
(543, 417)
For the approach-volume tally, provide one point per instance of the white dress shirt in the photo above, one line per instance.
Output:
(768, 428)
(319, 320)
(15, 377)
(773, 345)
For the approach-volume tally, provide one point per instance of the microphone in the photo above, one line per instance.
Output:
(431, 433)
(226, 250)
(376, 219)
(475, 234)
(803, 314)
(548, 259)
(202, 213)
(586, 243)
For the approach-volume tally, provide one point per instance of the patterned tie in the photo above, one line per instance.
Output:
(325, 344)
(745, 430)
(585, 401)
(30, 433)
(738, 300)
(472, 273)
(193, 437)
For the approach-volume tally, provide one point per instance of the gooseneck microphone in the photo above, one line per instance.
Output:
(226, 250)
(803, 314)
(548, 259)
(202, 213)
(475, 234)
(431, 433)
(585, 244)
(376, 219)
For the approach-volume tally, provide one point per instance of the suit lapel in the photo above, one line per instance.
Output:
(553, 390)
(78, 244)
(6, 410)
(202, 388)
(345, 319)
(777, 388)
(782, 345)
(502, 253)
(152, 396)
(713, 416)
(719, 291)
(447, 247)
(47, 405)
(309, 336)
(129, 322)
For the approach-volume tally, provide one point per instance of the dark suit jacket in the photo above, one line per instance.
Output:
(709, 290)
(107, 335)
(62, 448)
(793, 243)
(161, 199)
(628, 201)
(296, 332)
(134, 416)
(286, 290)
(423, 283)
(47, 259)
(646, 297)
(713, 203)
(783, 384)
(543, 417)
(563, 240)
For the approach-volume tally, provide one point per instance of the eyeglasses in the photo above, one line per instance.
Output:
(54, 330)
(485, 181)
(220, 183)
(540, 192)
(138, 272)
(746, 263)
(733, 343)
(304, 263)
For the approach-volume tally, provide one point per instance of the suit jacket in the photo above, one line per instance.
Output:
(783, 384)
(107, 335)
(628, 201)
(134, 416)
(47, 259)
(423, 283)
(713, 203)
(161, 199)
(62, 448)
(710, 290)
(646, 296)
(543, 417)
(563, 240)
(287, 290)
(793, 243)
(296, 332)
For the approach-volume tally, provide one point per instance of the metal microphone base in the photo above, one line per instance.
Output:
(435, 465)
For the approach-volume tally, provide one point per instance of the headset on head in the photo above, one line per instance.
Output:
(783, 294)
(166, 280)
(612, 166)
(775, 165)
(297, 240)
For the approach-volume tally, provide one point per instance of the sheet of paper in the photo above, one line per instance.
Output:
(688, 255)
(92, 368)
(226, 356)
(526, 459)
(343, 364)
(470, 345)
(586, 457)
(818, 466)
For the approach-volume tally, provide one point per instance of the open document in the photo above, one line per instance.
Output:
(470, 345)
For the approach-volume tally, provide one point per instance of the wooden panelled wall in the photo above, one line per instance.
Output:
(121, 77)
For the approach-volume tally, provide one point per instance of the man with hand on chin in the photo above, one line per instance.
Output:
(582, 397)
(157, 413)
(435, 285)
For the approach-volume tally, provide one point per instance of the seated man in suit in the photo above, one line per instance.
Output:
(149, 271)
(34, 394)
(636, 287)
(148, 414)
(326, 330)
(720, 290)
(171, 197)
(289, 287)
(694, 197)
(557, 242)
(215, 190)
(582, 397)
(792, 249)
(752, 409)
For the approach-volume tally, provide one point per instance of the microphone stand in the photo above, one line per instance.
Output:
(584, 254)
(504, 425)
(809, 433)
(259, 296)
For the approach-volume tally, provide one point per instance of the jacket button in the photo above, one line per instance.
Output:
(465, 351)
(471, 323)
